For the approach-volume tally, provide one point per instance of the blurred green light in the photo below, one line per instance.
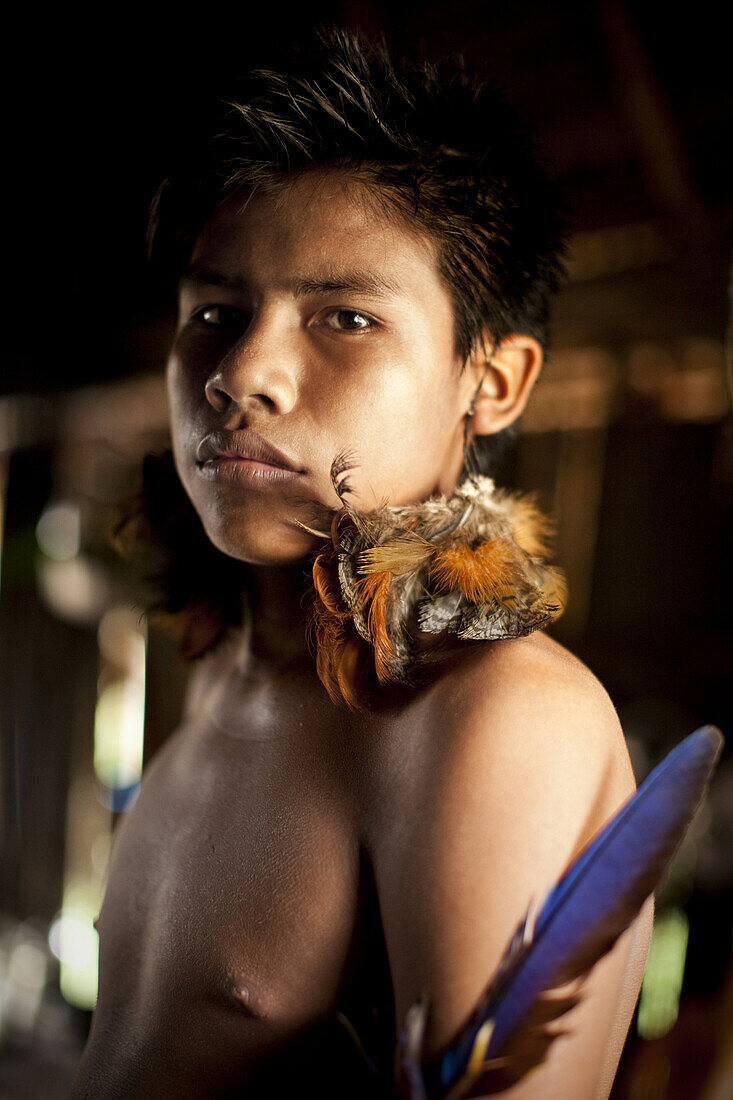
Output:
(665, 967)
(74, 941)
(118, 733)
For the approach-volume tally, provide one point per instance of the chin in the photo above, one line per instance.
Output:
(260, 542)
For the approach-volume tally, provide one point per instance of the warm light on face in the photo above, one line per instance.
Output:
(321, 326)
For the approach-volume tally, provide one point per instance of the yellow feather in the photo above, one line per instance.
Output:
(397, 556)
(532, 528)
(554, 591)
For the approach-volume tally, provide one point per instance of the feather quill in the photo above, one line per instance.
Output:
(560, 940)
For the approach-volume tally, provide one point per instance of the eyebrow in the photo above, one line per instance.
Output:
(330, 282)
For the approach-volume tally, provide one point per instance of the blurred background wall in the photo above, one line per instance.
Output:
(628, 439)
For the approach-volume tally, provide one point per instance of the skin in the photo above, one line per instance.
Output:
(287, 859)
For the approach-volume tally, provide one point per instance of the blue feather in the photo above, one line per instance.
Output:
(630, 853)
(584, 914)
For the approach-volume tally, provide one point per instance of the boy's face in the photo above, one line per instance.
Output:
(309, 319)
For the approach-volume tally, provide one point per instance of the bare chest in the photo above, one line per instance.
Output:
(240, 914)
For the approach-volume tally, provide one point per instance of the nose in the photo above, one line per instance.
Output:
(260, 369)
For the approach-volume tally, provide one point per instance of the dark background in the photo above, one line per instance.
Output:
(629, 439)
(631, 104)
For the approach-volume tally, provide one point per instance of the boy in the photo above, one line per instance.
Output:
(365, 259)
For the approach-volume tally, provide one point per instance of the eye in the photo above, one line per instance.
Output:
(219, 316)
(349, 320)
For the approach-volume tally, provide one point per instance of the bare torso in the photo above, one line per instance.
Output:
(241, 913)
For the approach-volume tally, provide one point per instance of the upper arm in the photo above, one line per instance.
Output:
(534, 764)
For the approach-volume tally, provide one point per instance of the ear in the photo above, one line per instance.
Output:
(508, 378)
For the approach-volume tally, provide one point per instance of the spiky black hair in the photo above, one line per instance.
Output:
(436, 144)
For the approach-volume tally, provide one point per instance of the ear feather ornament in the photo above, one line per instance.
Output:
(405, 586)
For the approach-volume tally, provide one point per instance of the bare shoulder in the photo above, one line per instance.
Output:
(538, 720)
(529, 677)
(523, 736)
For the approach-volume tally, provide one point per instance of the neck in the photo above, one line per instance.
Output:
(278, 632)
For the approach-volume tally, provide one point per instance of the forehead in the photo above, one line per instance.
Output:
(329, 220)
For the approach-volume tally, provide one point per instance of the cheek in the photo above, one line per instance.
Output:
(182, 399)
(179, 380)
(173, 381)
(180, 416)
(402, 431)
(413, 408)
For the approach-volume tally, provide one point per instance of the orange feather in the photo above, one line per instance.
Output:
(479, 573)
(331, 638)
(336, 649)
(375, 588)
(347, 674)
(327, 587)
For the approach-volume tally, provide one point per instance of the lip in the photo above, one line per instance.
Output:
(243, 471)
(243, 453)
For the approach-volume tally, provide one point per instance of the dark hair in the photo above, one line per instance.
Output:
(435, 145)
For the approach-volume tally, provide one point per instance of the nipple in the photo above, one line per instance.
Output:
(242, 997)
